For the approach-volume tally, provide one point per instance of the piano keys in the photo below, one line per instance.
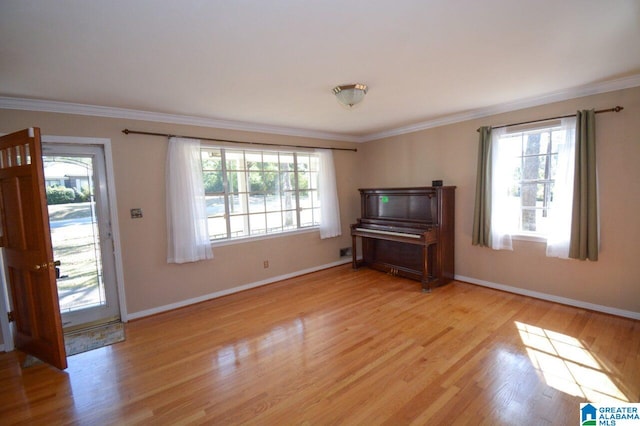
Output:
(407, 232)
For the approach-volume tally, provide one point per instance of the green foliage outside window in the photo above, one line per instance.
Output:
(61, 195)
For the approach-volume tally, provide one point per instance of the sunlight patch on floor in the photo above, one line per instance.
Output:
(568, 366)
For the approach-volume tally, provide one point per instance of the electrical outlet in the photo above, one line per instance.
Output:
(266, 264)
(345, 251)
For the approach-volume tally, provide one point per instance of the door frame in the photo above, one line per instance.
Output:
(105, 143)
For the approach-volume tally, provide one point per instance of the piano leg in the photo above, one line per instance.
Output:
(426, 288)
(428, 277)
(354, 253)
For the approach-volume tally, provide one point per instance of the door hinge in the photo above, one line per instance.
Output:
(11, 317)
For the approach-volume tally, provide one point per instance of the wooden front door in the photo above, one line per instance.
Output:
(26, 239)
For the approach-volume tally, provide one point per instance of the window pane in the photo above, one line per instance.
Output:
(254, 161)
(290, 219)
(286, 162)
(258, 224)
(532, 143)
(558, 138)
(307, 217)
(545, 167)
(270, 161)
(273, 202)
(211, 159)
(314, 163)
(303, 181)
(313, 180)
(215, 205)
(536, 143)
(287, 181)
(235, 160)
(271, 182)
(256, 203)
(303, 163)
(236, 182)
(305, 199)
(217, 227)
(531, 194)
(238, 203)
(213, 182)
(289, 200)
(274, 222)
(530, 168)
(256, 184)
(239, 226)
(528, 220)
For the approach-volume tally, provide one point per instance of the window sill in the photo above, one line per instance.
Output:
(220, 243)
(529, 237)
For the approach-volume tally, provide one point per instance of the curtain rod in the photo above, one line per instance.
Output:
(615, 109)
(136, 132)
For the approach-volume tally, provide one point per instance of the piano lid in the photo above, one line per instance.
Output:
(400, 204)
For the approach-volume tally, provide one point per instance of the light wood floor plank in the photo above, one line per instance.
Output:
(341, 347)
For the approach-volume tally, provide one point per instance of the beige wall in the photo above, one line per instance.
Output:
(450, 153)
(447, 152)
(139, 166)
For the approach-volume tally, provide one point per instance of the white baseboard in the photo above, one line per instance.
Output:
(552, 298)
(183, 303)
(502, 287)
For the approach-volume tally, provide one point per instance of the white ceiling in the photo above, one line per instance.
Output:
(272, 64)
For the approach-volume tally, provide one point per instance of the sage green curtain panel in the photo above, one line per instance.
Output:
(584, 221)
(481, 235)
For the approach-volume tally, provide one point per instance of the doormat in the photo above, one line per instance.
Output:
(79, 341)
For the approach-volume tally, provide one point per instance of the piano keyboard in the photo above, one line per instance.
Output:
(397, 234)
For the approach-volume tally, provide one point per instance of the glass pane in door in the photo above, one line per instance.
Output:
(74, 231)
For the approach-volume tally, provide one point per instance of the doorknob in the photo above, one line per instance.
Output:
(45, 265)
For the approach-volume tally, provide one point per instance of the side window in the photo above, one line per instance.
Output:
(531, 158)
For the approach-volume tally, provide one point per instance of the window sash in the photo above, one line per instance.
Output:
(259, 192)
(531, 218)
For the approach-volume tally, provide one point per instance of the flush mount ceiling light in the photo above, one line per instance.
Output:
(350, 94)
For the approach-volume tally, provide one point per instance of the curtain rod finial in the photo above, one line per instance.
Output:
(125, 131)
(618, 108)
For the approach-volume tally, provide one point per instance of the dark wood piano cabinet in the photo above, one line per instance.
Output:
(407, 232)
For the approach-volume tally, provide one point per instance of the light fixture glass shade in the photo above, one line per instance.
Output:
(350, 94)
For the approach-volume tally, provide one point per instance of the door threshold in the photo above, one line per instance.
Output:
(90, 325)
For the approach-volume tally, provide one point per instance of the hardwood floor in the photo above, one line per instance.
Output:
(341, 347)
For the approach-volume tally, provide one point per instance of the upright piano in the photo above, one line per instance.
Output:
(407, 232)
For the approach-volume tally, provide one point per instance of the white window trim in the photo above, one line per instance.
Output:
(242, 240)
(530, 237)
(251, 238)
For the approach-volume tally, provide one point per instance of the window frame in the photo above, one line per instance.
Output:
(244, 191)
(548, 180)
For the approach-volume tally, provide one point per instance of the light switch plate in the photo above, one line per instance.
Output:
(136, 213)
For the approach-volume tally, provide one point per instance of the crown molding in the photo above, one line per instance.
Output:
(132, 114)
(557, 96)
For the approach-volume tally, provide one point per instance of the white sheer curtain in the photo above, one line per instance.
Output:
(561, 205)
(504, 208)
(188, 236)
(329, 207)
